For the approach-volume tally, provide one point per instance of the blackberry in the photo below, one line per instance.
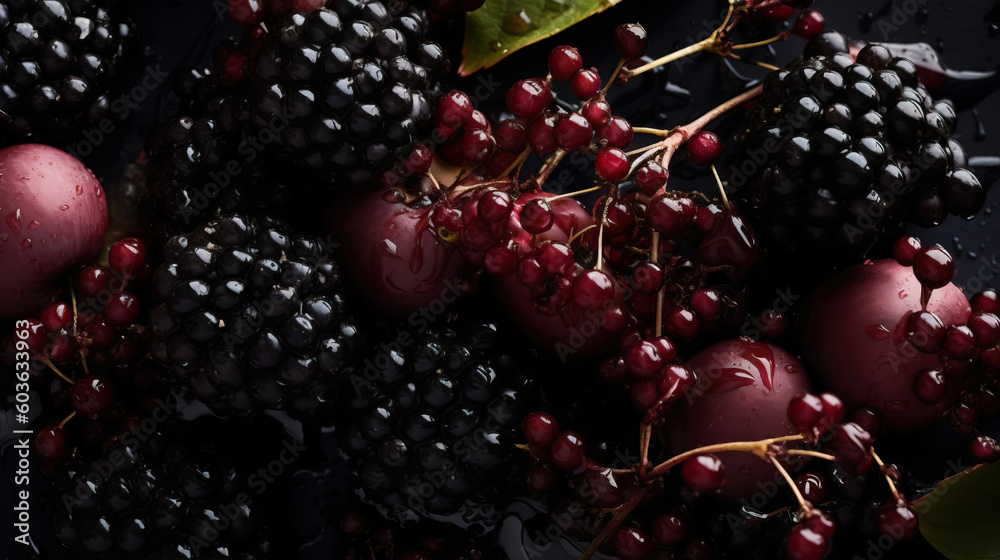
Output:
(366, 535)
(434, 415)
(840, 153)
(345, 90)
(181, 490)
(249, 316)
(58, 61)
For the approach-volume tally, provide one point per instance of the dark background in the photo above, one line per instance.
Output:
(966, 36)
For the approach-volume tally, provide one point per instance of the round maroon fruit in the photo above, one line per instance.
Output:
(391, 255)
(742, 393)
(855, 335)
(92, 397)
(53, 217)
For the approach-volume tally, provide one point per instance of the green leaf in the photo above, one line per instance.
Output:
(501, 27)
(961, 517)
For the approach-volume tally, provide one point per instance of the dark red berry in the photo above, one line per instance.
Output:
(650, 178)
(540, 429)
(353, 524)
(985, 328)
(959, 342)
(898, 520)
(670, 216)
(476, 146)
(454, 109)
(541, 479)
(643, 360)
(56, 316)
(647, 277)
(681, 323)
(776, 12)
(612, 164)
(805, 544)
(930, 385)
(592, 290)
(512, 135)
(564, 62)
(984, 449)
(419, 161)
(986, 301)
(808, 24)
(597, 113)
(528, 98)
(586, 84)
(501, 261)
(495, 206)
(618, 133)
(631, 41)
(92, 281)
(50, 443)
(478, 121)
(812, 486)
(707, 303)
(246, 13)
(704, 148)
(633, 544)
(704, 473)
(64, 348)
(122, 309)
(925, 331)
(669, 529)
(92, 397)
(934, 267)
(567, 451)
(127, 255)
(537, 216)
(905, 250)
(821, 524)
(574, 132)
(851, 444)
(33, 334)
(833, 410)
(542, 136)
(805, 411)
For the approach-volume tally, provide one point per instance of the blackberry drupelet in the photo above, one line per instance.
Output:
(186, 490)
(250, 317)
(345, 89)
(58, 60)
(432, 416)
(840, 152)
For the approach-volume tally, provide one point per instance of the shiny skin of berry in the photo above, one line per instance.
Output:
(898, 520)
(592, 290)
(127, 255)
(586, 84)
(704, 148)
(528, 98)
(650, 178)
(879, 293)
(564, 61)
(540, 429)
(574, 132)
(934, 267)
(632, 544)
(612, 164)
(631, 41)
(618, 133)
(808, 24)
(805, 411)
(669, 529)
(669, 215)
(122, 309)
(704, 473)
(805, 544)
(567, 451)
(537, 216)
(50, 443)
(454, 109)
(56, 316)
(92, 397)
(905, 250)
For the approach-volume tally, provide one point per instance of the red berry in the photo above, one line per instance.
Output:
(670, 216)
(633, 544)
(930, 385)
(647, 277)
(631, 41)
(64, 348)
(643, 360)
(704, 148)
(612, 164)
(805, 544)
(833, 410)
(597, 113)
(476, 146)
(92, 397)
(541, 479)
(850, 443)
(986, 301)
(540, 429)
(984, 449)
(592, 290)
(644, 395)
(419, 161)
(808, 24)
(56, 316)
(959, 342)
(905, 249)
(234, 67)
(537, 216)
(528, 98)
(501, 162)
(567, 451)
(245, 13)
(812, 487)
(454, 109)
(573, 132)
(92, 281)
(542, 136)
(127, 256)
(707, 303)
(682, 323)
(985, 328)
(934, 267)
(898, 520)
(704, 473)
(494, 206)
(805, 411)
(820, 523)
(122, 309)
(478, 121)
(564, 62)
(586, 84)
(33, 333)
(669, 529)
(50, 443)
(650, 178)
(619, 216)
(776, 12)
(925, 331)
(618, 133)
(512, 135)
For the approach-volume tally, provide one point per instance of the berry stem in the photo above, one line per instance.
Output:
(702, 45)
(579, 233)
(892, 484)
(549, 167)
(67, 419)
(614, 75)
(621, 514)
(517, 162)
(722, 189)
(748, 60)
(72, 299)
(577, 193)
(779, 37)
(758, 448)
(811, 453)
(49, 363)
(804, 504)
(653, 131)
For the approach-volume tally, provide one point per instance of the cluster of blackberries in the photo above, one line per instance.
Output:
(57, 61)
(839, 152)
(432, 415)
(250, 317)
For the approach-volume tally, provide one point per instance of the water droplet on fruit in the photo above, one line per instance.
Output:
(516, 23)
(896, 406)
(14, 221)
(79, 190)
(34, 224)
(64, 207)
(18, 196)
(902, 294)
(26, 244)
(745, 469)
(877, 332)
(495, 45)
(790, 369)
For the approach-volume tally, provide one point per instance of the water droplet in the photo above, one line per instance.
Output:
(14, 221)
(18, 196)
(555, 5)
(34, 224)
(36, 265)
(790, 368)
(79, 190)
(516, 23)
(902, 294)
(877, 332)
(64, 207)
(745, 469)
(495, 45)
(26, 244)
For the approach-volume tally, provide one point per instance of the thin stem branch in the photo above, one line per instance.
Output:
(645, 433)
(779, 37)
(49, 363)
(653, 131)
(804, 504)
(520, 158)
(620, 515)
(549, 167)
(722, 189)
(579, 233)
(697, 47)
(892, 484)
(735, 56)
(577, 193)
(758, 448)
(810, 453)
(67, 419)
(614, 75)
